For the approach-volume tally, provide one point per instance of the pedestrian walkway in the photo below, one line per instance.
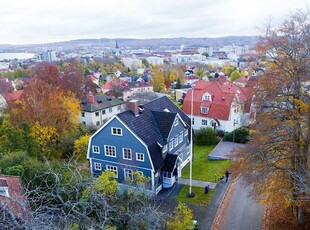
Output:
(197, 183)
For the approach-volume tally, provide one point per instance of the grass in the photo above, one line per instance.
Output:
(204, 169)
(200, 197)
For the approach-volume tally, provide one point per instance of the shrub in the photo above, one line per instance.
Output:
(205, 136)
(241, 135)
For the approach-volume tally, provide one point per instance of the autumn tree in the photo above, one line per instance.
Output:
(50, 109)
(279, 161)
(47, 72)
(182, 218)
(234, 75)
(158, 80)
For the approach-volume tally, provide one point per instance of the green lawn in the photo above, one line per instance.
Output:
(204, 169)
(200, 197)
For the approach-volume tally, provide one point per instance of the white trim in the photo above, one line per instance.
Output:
(137, 156)
(138, 138)
(117, 163)
(180, 119)
(123, 151)
(106, 168)
(102, 127)
(94, 146)
(91, 166)
(105, 153)
(125, 178)
(97, 164)
(116, 134)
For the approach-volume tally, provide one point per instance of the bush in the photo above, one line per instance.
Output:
(16, 170)
(241, 135)
(205, 136)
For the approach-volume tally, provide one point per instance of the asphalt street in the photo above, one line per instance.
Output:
(243, 212)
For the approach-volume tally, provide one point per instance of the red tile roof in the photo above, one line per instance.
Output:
(222, 96)
(16, 195)
(12, 96)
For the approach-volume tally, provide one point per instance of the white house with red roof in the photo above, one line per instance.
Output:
(221, 105)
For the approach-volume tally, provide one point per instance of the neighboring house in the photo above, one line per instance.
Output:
(96, 109)
(132, 89)
(242, 81)
(12, 97)
(153, 140)
(221, 105)
(12, 197)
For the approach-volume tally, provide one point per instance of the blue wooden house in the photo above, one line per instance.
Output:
(153, 139)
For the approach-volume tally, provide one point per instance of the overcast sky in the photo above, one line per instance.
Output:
(42, 21)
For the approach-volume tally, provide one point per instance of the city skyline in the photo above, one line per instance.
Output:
(36, 21)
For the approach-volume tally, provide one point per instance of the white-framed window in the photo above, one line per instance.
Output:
(116, 131)
(176, 141)
(185, 132)
(110, 151)
(96, 149)
(206, 97)
(110, 110)
(171, 145)
(103, 111)
(176, 121)
(127, 154)
(204, 110)
(119, 108)
(97, 114)
(98, 123)
(83, 114)
(112, 169)
(128, 175)
(165, 148)
(181, 137)
(204, 122)
(140, 156)
(97, 166)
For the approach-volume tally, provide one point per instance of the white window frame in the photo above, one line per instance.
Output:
(185, 132)
(95, 147)
(110, 110)
(97, 166)
(128, 173)
(204, 122)
(112, 168)
(165, 148)
(108, 149)
(140, 156)
(97, 113)
(176, 121)
(181, 137)
(171, 144)
(176, 141)
(124, 152)
(114, 131)
(204, 110)
(83, 114)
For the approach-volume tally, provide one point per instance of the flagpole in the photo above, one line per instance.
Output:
(191, 146)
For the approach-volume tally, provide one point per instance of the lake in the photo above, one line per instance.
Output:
(10, 56)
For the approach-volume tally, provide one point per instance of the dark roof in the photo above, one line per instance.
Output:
(101, 102)
(138, 84)
(170, 162)
(164, 122)
(151, 128)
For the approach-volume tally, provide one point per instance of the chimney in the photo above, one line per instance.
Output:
(134, 106)
(91, 97)
(4, 188)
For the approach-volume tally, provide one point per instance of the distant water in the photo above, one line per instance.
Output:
(10, 56)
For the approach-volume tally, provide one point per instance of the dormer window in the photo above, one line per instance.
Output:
(176, 121)
(206, 97)
(204, 110)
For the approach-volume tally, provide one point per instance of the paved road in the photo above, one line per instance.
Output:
(243, 212)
